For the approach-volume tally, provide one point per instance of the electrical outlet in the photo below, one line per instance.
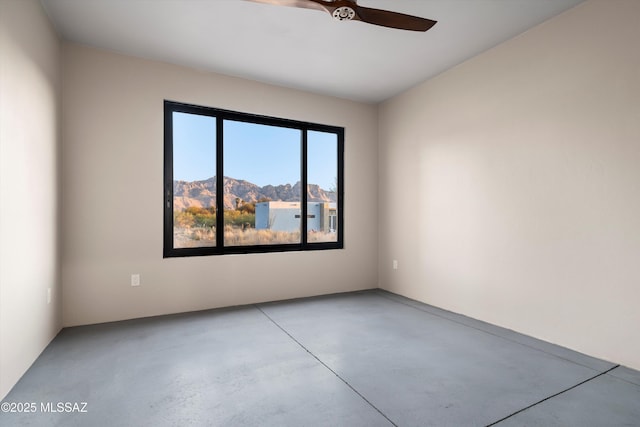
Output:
(395, 264)
(135, 280)
(48, 295)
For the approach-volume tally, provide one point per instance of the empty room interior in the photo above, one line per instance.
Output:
(466, 252)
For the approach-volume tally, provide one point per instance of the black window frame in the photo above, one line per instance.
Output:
(221, 115)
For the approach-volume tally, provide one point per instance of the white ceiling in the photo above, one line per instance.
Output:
(301, 48)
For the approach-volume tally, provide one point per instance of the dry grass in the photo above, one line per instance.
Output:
(185, 237)
(206, 237)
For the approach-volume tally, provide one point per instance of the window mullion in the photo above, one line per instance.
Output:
(219, 182)
(340, 188)
(303, 198)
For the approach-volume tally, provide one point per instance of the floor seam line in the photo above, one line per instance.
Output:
(552, 396)
(325, 365)
(495, 335)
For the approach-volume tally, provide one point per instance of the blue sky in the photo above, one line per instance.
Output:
(256, 153)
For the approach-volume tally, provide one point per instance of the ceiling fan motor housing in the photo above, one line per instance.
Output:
(344, 13)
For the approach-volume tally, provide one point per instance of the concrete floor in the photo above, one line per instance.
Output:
(359, 359)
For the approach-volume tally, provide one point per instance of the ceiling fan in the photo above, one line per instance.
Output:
(347, 10)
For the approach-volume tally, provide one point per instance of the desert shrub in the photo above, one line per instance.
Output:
(194, 216)
(205, 220)
(246, 218)
(194, 210)
(248, 208)
(230, 216)
(183, 219)
(203, 234)
(238, 218)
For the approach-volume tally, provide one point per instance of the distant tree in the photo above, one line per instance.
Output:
(183, 219)
(248, 208)
(238, 219)
(333, 188)
(230, 215)
(246, 220)
(205, 221)
(195, 210)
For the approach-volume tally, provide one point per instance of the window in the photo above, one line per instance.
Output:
(262, 166)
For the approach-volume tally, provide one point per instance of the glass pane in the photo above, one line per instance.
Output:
(322, 179)
(262, 191)
(194, 183)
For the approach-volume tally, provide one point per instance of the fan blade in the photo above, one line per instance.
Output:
(305, 4)
(351, 10)
(390, 19)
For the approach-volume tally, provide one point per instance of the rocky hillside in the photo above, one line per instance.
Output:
(203, 193)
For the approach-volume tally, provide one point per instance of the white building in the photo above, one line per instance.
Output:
(285, 216)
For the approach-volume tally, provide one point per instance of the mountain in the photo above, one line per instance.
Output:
(203, 193)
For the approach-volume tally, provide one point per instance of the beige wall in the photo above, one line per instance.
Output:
(510, 185)
(112, 194)
(29, 255)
